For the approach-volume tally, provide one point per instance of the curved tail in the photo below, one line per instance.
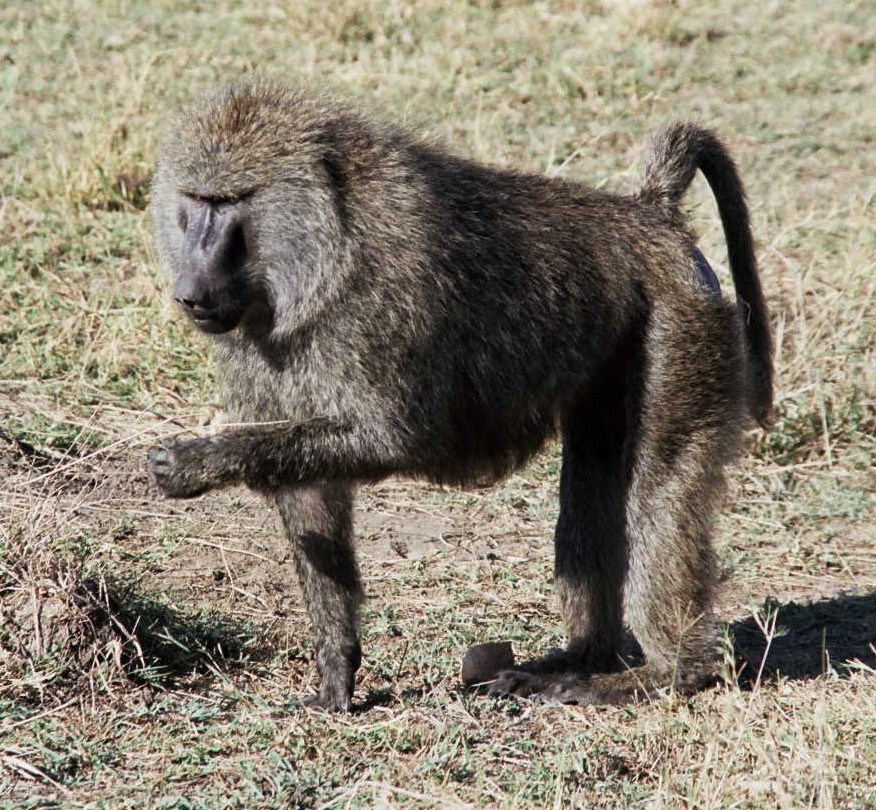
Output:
(676, 154)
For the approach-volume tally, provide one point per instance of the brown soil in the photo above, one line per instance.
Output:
(226, 549)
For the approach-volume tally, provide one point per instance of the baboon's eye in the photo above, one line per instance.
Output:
(237, 248)
(182, 219)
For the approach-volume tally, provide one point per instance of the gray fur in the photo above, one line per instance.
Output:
(383, 307)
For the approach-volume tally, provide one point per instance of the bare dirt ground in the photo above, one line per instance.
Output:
(226, 549)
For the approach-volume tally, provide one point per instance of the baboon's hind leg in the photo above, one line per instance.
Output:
(690, 423)
(686, 424)
(590, 542)
(669, 586)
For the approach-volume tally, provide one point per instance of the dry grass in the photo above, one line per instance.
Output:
(150, 652)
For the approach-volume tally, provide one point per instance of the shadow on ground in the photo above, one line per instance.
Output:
(66, 630)
(169, 642)
(808, 639)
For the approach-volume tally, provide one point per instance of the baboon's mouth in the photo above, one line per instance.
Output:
(211, 323)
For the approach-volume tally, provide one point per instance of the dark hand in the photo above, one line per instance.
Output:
(183, 469)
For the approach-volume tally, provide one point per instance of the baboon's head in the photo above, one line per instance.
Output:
(246, 210)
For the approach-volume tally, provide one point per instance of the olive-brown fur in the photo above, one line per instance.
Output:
(380, 306)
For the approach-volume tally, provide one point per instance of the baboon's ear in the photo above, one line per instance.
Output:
(335, 170)
(338, 179)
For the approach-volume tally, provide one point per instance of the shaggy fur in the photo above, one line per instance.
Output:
(383, 307)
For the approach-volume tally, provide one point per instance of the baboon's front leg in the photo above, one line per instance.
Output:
(318, 523)
(268, 457)
(185, 468)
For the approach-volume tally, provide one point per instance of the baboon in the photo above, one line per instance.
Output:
(380, 306)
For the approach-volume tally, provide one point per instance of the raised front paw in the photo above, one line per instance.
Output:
(179, 467)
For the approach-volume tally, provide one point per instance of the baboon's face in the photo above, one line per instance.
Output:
(263, 256)
(212, 284)
(247, 212)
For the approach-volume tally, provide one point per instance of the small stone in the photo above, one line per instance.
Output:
(483, 662)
